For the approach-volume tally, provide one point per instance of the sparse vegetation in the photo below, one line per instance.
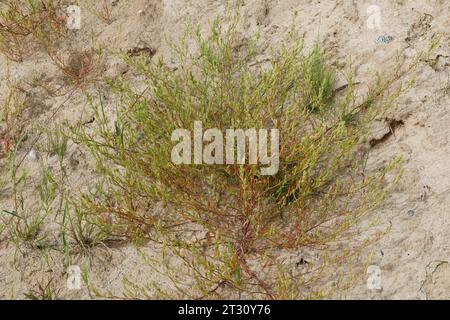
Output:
(11, 121)
(28, 25)
(77, 67)
(43, 291)
(41, 25)
(102, 9)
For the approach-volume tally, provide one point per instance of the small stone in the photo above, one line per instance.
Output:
(384, 39)
(141, 12)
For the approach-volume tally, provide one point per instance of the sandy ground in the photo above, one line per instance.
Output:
(414, 257)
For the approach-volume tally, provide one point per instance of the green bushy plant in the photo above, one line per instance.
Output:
(220, 228)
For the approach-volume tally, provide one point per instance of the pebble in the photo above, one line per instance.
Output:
(384, 39)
